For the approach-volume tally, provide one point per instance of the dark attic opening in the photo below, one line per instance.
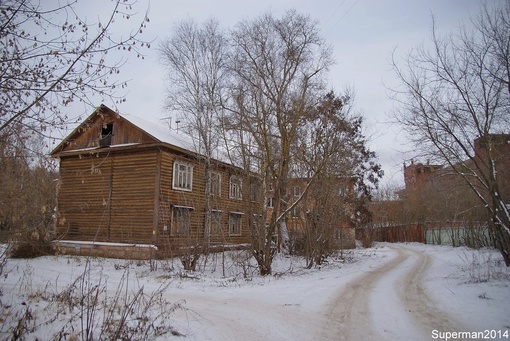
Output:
(106, 134)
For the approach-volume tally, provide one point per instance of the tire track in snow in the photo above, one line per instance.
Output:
(387, 303)
(419, 304)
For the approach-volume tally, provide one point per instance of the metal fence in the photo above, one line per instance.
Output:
(472, 234)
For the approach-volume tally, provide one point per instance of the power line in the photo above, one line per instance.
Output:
(334, 12)
(346, 12)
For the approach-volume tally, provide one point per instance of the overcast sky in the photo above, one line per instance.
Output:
(363, 34)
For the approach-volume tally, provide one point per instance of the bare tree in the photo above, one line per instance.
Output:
(196, 58)
(28, 193)
(51, 57)
(279, 67)
(455, 101)
(333, 148)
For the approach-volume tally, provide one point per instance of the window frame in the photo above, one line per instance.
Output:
(105, 139)
(234, 223)
(295, 212)
(188, 176)
(296, 190)
(175, 228)
(235, 187)
(212, 183)
(215, 216)
(255, 192)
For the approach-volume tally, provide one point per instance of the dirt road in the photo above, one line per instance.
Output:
(391, 295)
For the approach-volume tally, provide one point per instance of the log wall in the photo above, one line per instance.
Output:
(196, 199)
(107, 197)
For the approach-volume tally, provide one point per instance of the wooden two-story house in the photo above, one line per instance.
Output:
(131, 188)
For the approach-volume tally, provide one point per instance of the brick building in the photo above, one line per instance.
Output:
(324, 209)
(416, 175)
(437, 201)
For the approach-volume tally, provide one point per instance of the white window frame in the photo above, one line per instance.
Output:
(235, 187)
(234, 223)
(215, 191)
(182, 176)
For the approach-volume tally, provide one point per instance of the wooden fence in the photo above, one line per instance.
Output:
(473, 234)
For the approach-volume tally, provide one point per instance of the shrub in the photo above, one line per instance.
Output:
(31, 244)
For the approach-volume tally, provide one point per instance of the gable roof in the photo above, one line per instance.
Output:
(163, 134)
(157, 132)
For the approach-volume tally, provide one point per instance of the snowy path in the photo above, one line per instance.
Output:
(387, 303)
(389, 292)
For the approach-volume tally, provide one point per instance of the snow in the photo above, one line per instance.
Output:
(176, 138)
(162, 133)
(388, 292)
(84, 242)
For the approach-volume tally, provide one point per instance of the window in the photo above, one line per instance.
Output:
(269, 202)
(341, 191)
(236, 184)
(106, 134)
(295, 212)
(257, 222)
(234, 223)
(255, 191)
(338, 234)
(215, 222)
(215, 184)
(181, 220)
(183, 176)
(296, 190)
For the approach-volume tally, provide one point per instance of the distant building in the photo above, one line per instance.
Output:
(420, 177)
(323, 208)
(437, 198)
(416, 175)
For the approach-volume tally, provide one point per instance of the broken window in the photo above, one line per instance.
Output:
(106, 134)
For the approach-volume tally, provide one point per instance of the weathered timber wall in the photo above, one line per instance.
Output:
(197, 199)
(107, 197)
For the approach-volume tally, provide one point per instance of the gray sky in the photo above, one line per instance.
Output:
(363, 34)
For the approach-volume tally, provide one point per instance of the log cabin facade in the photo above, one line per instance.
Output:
(125, 181)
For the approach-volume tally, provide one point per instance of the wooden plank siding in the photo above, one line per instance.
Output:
(107, 198)
(121, 191)
(132, 202)
(196, 199)
(83, 198)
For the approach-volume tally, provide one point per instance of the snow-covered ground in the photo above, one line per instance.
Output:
(389, 292)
